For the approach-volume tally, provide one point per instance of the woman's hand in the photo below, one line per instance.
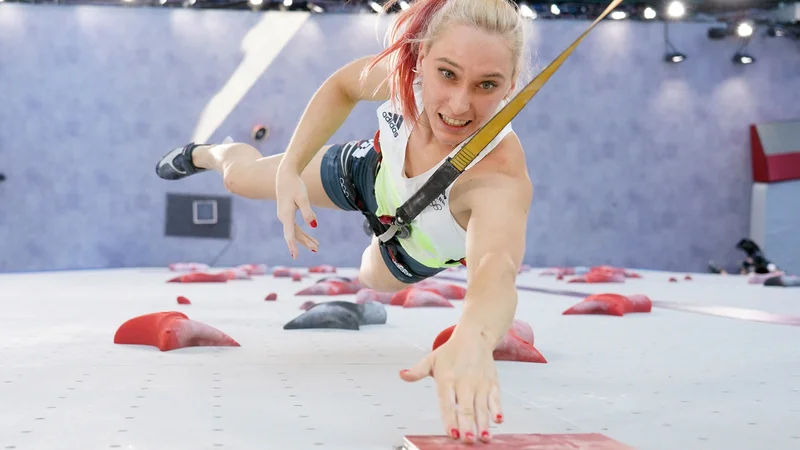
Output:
(291, 194)
(466, 382)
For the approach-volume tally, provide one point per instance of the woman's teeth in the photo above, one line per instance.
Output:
(453, 122)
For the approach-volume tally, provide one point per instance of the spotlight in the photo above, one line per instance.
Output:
(256, 2)
(375, 7)
(287, 3)
(554, 9)
(743, 58)
(619, 15)
(404, 5)
(744, 29)
(676, 9)
(674, 57)
(649, 13)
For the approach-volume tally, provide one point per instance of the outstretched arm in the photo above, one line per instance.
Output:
(499, 205)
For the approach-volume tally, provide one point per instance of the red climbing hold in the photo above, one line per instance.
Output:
(421, 298)
(200, 277)
(281, 272)
(594, 441)
(523, 329)
(329, 287)
(238, 274)
(514, 348)
(253, 269)
(511, 348)
(324, 268)
(640, 303)
(297, 276)
(399, 297)
(307, 305)
(601, 274)
(446, 290)
(611, 305)
(183, 300)
(608, 304)
(169, 331)
(187, 267)
(368, 295)
(271, 297)
(418, 298)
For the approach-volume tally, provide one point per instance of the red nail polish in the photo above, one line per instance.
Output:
(485, 434)
(455, 433)
(469, 436)
(314, 223)
(313, 250)
(499, 417)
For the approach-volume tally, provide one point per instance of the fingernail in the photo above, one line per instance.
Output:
(469, 436)
(454, 432)
(404, 371)
(313, 250)
(499, 417)
(485, 435)
(314, 223)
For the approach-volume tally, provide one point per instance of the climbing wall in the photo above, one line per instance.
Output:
(713, 365)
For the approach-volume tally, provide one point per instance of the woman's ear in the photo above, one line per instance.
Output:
(511, 90)
(420, 58)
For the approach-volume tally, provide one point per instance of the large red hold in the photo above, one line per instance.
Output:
(171, 330)
(187, 266)
(611, 305)
(511, 348)
(329, 287)
(200, 277)
(253, 269)
(446, 290)
(324, 268)
(418, 298)
(585, 441)
(369, 295)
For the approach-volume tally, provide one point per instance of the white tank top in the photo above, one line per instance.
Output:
(436, 239)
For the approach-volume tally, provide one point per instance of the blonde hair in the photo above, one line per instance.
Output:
(421, 24)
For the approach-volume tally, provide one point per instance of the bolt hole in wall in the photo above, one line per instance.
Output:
(666, 142)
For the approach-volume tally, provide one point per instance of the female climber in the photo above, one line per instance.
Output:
(449, 67)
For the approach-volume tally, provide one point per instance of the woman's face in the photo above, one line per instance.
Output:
(466, 73)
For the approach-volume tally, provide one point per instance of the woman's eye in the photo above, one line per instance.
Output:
(488, 84)
(446, 73)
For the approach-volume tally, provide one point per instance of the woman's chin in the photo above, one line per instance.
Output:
(450, 135)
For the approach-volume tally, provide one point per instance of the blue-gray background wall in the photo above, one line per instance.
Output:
(635, 162)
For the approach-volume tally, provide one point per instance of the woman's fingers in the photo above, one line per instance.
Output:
(447, 408)
(286, 216)
(482, 412)
(304, 238)
(495, 410)
(465, 400)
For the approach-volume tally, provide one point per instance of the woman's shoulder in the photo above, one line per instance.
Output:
(503, 167)
(507, 158)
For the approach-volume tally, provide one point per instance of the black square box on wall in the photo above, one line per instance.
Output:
(205, 216)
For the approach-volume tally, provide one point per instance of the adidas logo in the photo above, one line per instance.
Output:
(394, 121)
